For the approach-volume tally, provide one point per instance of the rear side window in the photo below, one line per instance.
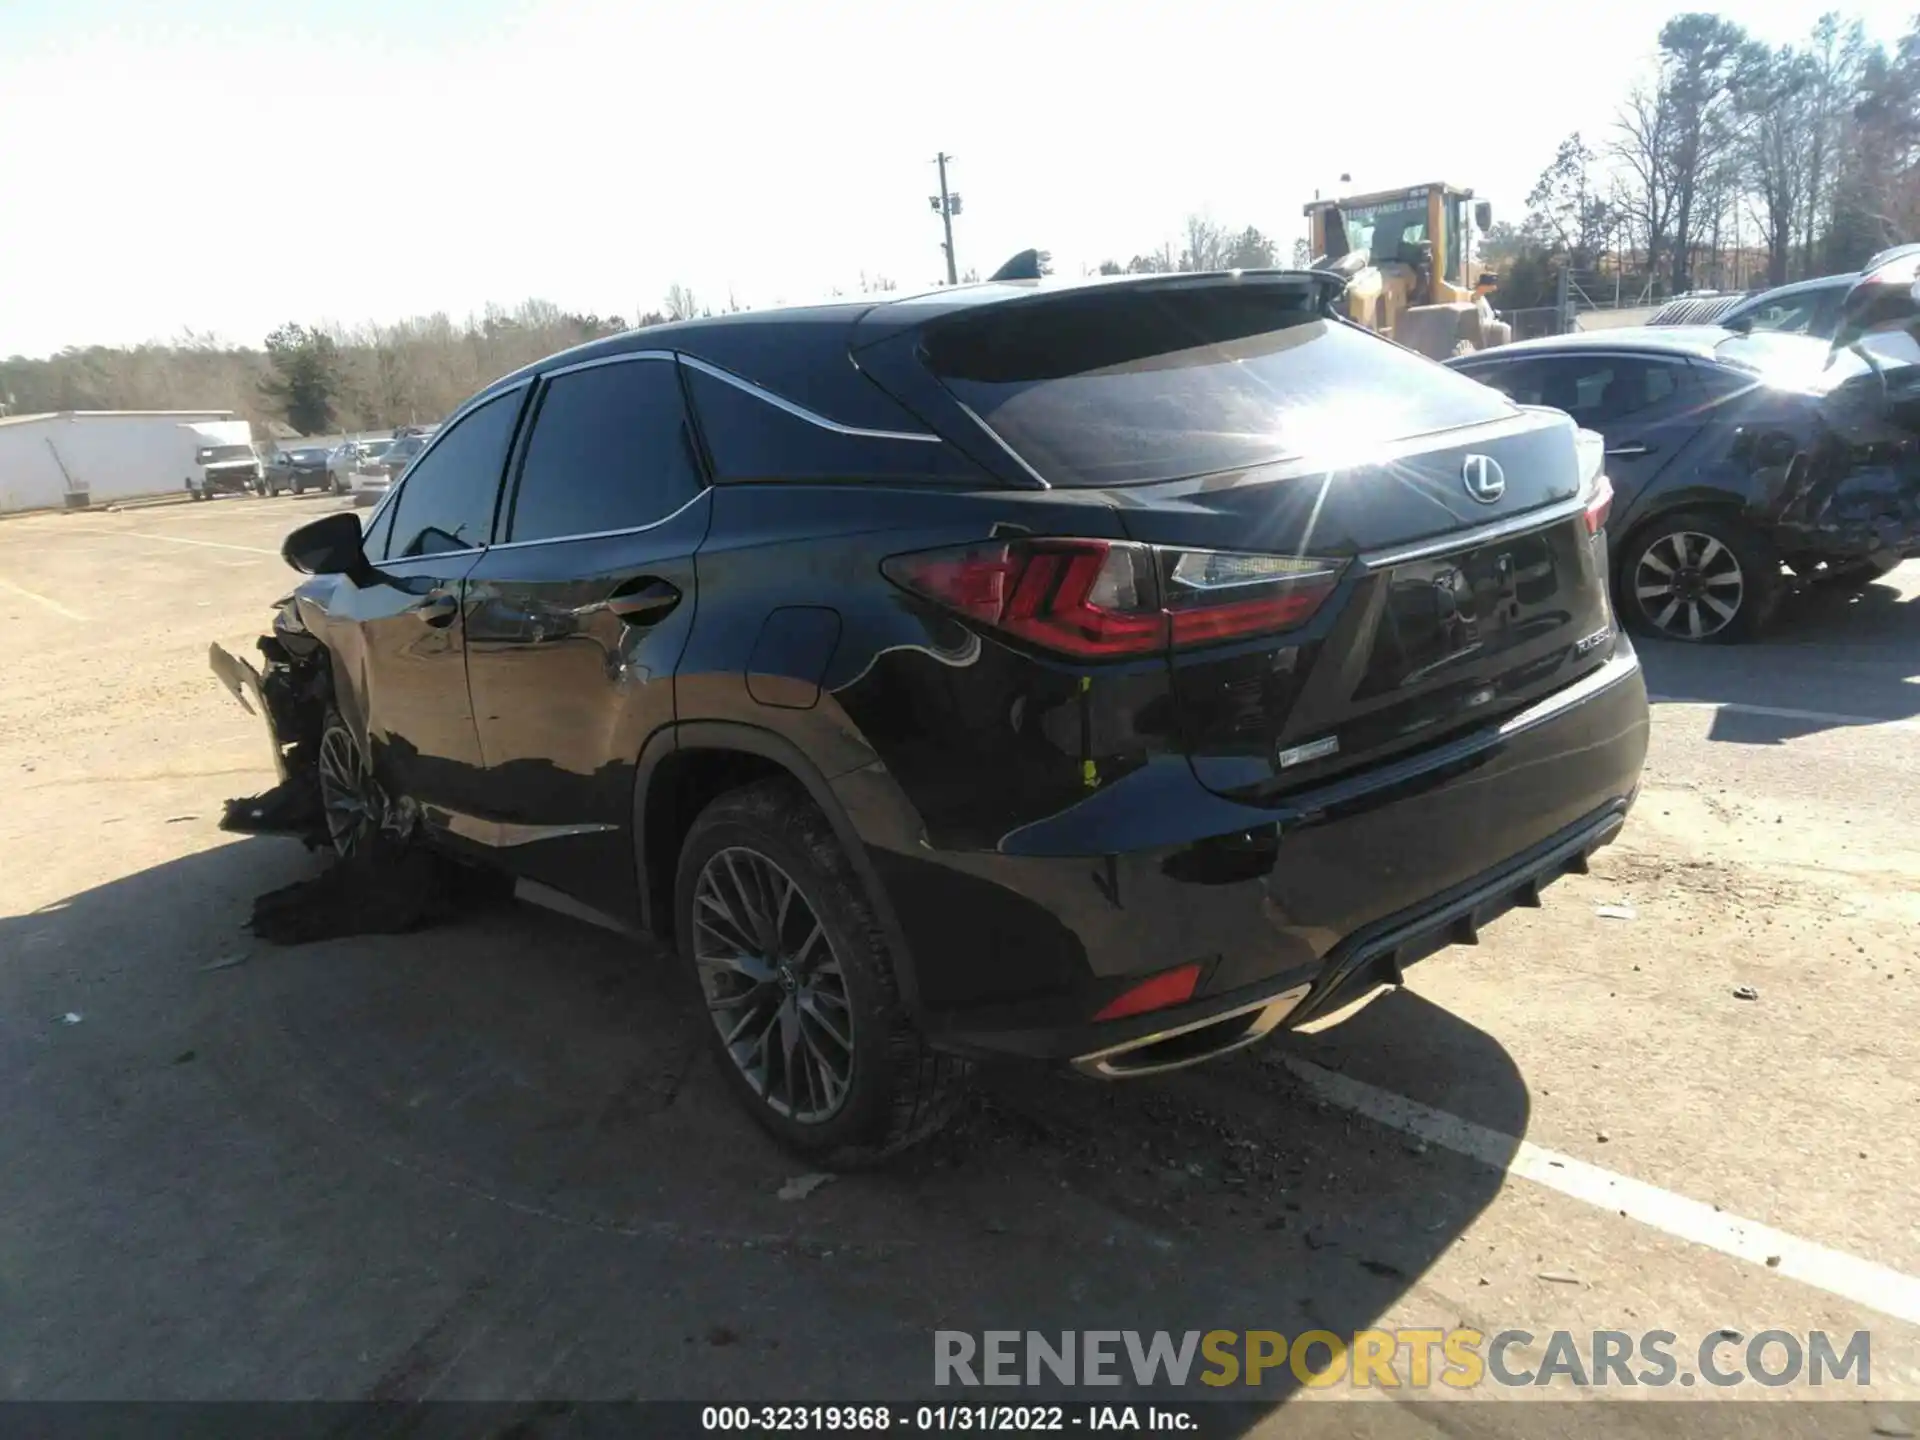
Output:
(1599, 389)
(1120, 387)
(446, 500)
(610, 450)
(1518, 380)
(750, 439)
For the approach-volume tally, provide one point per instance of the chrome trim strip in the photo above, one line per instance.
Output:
(394, 560)
(620, 359)
(502, 834)
(1289, 808)
(1479, 535)
(800, 412)
(1101, 1064)
(1617, 669)
(994, 435)
(705, 492)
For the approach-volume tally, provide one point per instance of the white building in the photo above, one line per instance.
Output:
(93, 457)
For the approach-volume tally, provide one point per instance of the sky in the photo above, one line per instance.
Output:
(224, 166)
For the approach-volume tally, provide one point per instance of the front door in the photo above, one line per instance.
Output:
(400, 651)
(576, 622)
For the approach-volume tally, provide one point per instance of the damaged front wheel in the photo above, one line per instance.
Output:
(355, 805)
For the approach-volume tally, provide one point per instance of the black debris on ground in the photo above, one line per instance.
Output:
(383, 889)
(291, 808)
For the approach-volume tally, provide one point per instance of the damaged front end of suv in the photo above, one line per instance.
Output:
(291, 691)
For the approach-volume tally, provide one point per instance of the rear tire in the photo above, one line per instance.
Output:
(1699, 577)
(786, 954)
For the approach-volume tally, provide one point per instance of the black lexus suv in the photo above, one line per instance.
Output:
(1108, 672)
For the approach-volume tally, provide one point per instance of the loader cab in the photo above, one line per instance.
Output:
(1428, 228)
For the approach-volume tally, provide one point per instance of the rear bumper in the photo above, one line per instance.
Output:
(1360, 964)
(1289, 914)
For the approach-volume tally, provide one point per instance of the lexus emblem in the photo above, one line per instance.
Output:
(1484, 479)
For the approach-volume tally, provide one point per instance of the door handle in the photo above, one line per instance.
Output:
(1638, 447)
(643, 602)
(438, 609)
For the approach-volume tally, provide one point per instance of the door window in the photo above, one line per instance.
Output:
(1600, 389)
(610, 450)
(446, 502)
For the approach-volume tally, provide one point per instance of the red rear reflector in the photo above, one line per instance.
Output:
(1101, 599)
(1170, 987)
(1599, 505)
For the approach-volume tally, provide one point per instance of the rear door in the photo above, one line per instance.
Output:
(1413, 548)
(400, 650)
(576, 620)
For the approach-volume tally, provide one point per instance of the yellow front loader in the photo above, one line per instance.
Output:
(1405, 254)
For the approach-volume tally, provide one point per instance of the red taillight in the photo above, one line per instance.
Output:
(1599, 505)
(1100, 599)
(1170, 987)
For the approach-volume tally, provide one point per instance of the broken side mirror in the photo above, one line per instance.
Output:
(331, 545)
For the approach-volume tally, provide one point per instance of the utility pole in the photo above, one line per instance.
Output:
(947, 205)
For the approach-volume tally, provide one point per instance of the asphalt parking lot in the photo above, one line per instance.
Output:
(491, 1161)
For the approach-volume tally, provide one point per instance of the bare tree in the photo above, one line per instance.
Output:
(680, 303)
(1643, 148)
(1776, 152)
(1705, 61)
(1566, 209)
(1207, 246)
(1837, 56)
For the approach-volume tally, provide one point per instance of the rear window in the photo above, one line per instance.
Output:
(1118, 388)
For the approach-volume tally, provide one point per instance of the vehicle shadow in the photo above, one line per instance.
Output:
(1831, 660)
(496, 1161)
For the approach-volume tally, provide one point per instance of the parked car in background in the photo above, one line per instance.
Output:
(1698, 307)
(395, 456)
(1108, 673)
(314, 467)
(1737, 460)
(276, 471)
(224, 460)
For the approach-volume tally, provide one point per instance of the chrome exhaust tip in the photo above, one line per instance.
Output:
(1193, 1043)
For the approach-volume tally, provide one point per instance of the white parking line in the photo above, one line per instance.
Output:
(1779, 712)
(53, 605)
(1865, 1283)
(210, 544)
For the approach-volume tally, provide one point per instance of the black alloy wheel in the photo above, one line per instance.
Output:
(773, 985)
(354, 804)
(798, 982)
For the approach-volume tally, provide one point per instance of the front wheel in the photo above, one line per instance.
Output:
(354, 804)
(799, 985)
(1699, 578)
